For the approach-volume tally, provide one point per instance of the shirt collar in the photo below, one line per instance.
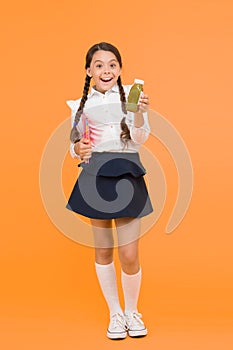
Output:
(93, 91)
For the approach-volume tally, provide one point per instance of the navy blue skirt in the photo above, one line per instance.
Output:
(111, 186)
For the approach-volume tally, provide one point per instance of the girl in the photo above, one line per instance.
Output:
(111, 187)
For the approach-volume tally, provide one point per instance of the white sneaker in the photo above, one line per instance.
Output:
(117, 328)
(135, 325)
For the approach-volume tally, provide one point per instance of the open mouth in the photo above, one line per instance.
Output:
(106, 80)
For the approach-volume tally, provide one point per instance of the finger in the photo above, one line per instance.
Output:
(85, 141)
(144, 96)
(87, 156)
(85, 148)
(86, 151)
(85, 145)
(144, 104)
(143, 108)
(144, 99)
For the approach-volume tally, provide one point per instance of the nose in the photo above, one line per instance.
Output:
(106, 70)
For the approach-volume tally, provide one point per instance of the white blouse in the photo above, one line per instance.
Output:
(103, 114)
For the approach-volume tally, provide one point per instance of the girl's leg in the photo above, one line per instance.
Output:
(129, 259)
(103, 240)
(131, 273)
(128, 247)
(106, 275)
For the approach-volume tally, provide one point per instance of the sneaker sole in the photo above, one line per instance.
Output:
(139, 333)
(115, 336)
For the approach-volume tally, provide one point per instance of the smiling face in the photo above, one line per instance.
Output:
(104, 69)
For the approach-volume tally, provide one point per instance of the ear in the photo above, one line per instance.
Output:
(119, 73)
(88, 71)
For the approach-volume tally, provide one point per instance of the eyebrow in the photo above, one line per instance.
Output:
(113, 59)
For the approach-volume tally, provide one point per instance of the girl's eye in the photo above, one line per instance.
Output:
(113, 65)
(99, 65)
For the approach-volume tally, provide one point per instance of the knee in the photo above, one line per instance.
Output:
(103, 255)
(128, 258)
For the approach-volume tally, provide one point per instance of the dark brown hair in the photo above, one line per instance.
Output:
(125, 134)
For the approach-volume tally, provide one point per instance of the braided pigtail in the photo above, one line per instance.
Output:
(125, 134)
(75, 134)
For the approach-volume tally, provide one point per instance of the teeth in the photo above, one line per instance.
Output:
(106, 80)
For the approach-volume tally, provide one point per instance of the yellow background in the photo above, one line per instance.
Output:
(49, 294)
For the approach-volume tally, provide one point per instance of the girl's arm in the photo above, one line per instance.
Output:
(74, 104)
(138, 122)
(143, 108)
(82, 148)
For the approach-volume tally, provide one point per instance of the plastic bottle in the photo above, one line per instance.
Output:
(134, 94)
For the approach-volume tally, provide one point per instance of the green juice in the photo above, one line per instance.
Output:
(134, 94)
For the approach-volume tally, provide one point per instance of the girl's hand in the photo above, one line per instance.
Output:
(83, 149)
(143, 103)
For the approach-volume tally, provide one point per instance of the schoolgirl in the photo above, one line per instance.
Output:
(111, 188)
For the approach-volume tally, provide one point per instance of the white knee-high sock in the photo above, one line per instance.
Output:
(107, 279)
(131, 288)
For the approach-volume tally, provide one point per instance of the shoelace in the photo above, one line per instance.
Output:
(118, 320)
(134, 318)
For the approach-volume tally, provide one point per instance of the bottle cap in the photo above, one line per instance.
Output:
(138, 81)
